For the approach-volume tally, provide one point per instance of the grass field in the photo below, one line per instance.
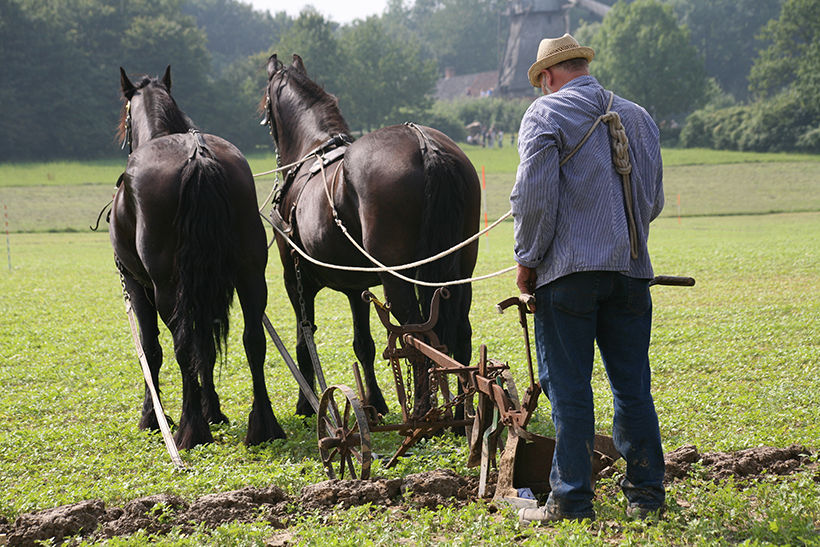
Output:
(736, 364)
(68, 196)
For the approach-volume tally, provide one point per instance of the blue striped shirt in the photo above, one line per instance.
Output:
(573, 219)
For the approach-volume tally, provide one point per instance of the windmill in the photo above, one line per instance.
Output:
(530, 22)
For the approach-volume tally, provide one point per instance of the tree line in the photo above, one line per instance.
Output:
(724, 73)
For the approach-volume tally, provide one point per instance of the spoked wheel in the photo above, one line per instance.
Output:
(344, 434)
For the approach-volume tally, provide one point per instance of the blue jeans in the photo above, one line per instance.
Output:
(572, 313)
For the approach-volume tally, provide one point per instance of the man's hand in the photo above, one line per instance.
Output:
(525, 280)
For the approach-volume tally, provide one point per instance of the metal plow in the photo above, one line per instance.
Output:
(486, 391)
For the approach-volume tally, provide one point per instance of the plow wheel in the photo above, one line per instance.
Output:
(344, 434)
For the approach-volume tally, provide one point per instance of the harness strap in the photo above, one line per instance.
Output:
(425, 142)
(326, 154)
(620, 157)
(200, 146)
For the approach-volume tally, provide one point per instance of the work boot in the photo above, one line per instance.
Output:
(642, 512)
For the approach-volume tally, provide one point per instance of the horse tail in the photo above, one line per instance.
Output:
(442, 227)
(206, 257)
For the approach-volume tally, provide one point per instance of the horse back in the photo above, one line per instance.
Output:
(385, 171)
(146, 203)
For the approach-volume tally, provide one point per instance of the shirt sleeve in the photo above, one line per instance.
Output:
(659, 196)
(657, 206)
(534, 196)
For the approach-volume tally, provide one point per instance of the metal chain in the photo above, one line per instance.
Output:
(300, 290)
(458, 399)
(434, 387)
(125, 295)
(307, 330)
(276, 193)
(411, 390)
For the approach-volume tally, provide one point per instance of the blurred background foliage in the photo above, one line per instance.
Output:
(731, 74)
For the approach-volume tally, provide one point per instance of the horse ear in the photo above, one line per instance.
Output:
(274, 66)
(167, 78)
(127, 87)
(298, 64)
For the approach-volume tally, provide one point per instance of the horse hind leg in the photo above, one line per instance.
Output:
(146, 316)
(211, 407)
(193, 427)
(365, 350)
(462, 352)
(262, 423)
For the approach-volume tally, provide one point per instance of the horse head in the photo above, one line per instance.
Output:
(298, 111)
(150, 111)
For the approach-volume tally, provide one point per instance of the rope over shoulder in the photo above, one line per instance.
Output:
(620, 158)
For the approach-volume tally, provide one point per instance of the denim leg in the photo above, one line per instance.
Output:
(624, 328)
(565, 336)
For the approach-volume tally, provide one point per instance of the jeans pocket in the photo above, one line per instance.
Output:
(639, 299)
(573, 300)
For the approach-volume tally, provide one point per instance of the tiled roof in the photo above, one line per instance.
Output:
(469, 85)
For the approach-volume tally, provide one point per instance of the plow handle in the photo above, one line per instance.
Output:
(673, 280)
(523, 310)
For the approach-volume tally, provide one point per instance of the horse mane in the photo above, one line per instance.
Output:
(167, 117)
(317, 100)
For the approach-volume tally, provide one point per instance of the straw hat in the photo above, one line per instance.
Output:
(552, 51)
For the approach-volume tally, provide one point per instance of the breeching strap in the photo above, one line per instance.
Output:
(620, 157)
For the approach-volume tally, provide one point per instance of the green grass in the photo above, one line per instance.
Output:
(707, 183)
(505, 160)
(736, 364)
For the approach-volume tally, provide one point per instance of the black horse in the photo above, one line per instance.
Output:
(186, 233)
(404, 193)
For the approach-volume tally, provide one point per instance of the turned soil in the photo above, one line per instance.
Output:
(161, 513)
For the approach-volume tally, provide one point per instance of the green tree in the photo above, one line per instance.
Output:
(313, 38)
(382, 75)
(235, 30)
(792, 61)
(643, 55)
(36, 103)
(72, 49)
(466, 35)
(723, 31)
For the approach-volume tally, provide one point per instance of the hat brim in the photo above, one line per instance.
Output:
(580, 52)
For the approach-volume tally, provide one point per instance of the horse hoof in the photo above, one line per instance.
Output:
(186, 440)
(149, 422)
(305, 410)
(257, 438)
(381, 406)
(218, 419)
(263, 426)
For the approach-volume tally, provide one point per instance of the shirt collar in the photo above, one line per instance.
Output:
(580, 81)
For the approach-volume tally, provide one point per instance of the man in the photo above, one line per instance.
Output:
(582, 203)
